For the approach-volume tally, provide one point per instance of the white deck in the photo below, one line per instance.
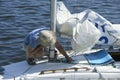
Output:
(23, 71)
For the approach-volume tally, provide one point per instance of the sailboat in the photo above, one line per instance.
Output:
(89, 64)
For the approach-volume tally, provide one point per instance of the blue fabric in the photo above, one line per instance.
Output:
(101, 57)
(32, 38)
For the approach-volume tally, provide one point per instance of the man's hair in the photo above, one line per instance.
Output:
(47, 38)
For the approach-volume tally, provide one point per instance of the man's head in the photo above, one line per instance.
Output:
(47, 38)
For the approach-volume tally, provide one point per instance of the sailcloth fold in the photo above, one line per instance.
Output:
(109, 34)
(86, 28)
(85, 36)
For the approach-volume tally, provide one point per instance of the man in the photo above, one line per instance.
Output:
(39, 39)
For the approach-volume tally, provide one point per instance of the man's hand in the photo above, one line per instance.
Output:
(69, 59)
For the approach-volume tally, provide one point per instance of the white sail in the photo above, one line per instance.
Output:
(110, 35)
(64, 23)
(83, 33)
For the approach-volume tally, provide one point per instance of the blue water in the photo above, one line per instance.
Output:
(18, 17)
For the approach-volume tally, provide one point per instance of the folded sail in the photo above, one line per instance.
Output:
(86, 28)
(109, 34)
(83, 33)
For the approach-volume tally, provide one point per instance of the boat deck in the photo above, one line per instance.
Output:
(80, 69)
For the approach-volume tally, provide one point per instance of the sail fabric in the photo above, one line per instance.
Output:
(83, 33)
(86, 28)
(65, 20)
(63, 13)
(109, 34)
(101, 57)
(85, 36)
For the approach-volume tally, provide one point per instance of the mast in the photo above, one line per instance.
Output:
(53, 27)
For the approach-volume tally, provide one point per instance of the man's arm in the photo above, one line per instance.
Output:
(62, 51)
(31, 52)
